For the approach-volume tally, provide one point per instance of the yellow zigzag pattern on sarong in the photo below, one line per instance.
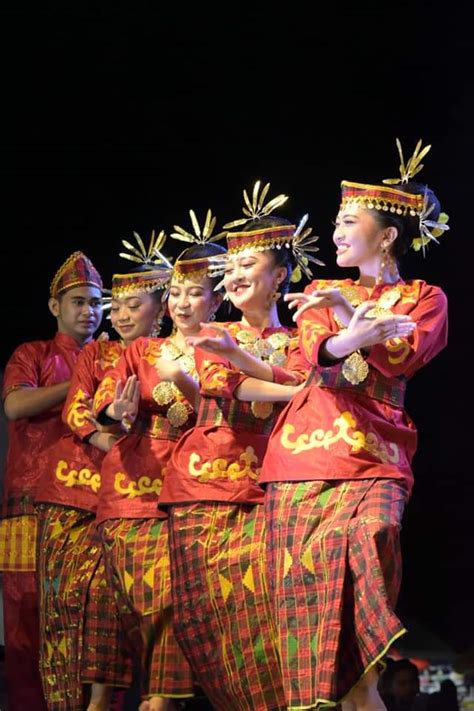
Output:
(357, 440)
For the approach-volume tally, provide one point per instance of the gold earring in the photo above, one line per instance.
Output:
(156, 328)
(383, 264)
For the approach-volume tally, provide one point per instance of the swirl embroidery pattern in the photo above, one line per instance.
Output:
(77, 477)
(144, 485)
(223, 469)
(78, 410)
(357, 440)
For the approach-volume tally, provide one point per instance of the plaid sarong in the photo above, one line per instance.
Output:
(136, 553)
(69, 555)
(18, 543)
(334, 562)
(222, 614)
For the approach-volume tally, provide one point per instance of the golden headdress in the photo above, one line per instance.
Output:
(398, 201)
(77, 270)
(197, 269)
(299, 239)
(156, 272)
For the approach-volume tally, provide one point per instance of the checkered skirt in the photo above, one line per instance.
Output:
(222, 614)
(136, 551)
(80, 635)
(335, 568)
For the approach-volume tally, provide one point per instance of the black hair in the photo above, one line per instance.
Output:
(408, 226)
(282, 255)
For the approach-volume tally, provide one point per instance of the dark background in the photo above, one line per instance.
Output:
(122, 116)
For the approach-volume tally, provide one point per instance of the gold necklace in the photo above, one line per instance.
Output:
(355, 368)
(271, 350)
(167, 393)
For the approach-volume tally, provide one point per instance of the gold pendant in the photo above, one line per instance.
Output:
(177, 414)
(278, 358)
(278, 340)
(261, 410)
(389, 298)
(164, 393)
(352, 294)
(246, 337)
(170, 351)
(355, 369)
(187, 363)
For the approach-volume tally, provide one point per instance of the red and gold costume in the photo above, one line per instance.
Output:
(134, 533)
(338, 475)
(81, 635)
(223, 617)
(221, 609)
(33, 365)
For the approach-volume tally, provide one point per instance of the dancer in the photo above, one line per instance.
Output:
(158, 400)
(338, 465)
(36, 382)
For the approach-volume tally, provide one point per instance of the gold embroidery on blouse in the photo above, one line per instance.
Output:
(223, 469)
(77, 411)
(144, 485)
(77, 477)
(357, 440)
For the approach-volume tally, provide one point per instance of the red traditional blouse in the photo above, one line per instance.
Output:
(132, 471)
(72, 478)
(221, 457)
(34, 365)
(337, 430)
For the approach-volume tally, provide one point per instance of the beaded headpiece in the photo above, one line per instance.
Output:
(201, 267)
(77, 270)
(397, 201)
(298, 239)
(155, 275)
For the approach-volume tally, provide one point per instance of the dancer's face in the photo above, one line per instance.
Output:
(78, 311)
(135, 316)
(191, 302)
(358, 237)
(251, 279)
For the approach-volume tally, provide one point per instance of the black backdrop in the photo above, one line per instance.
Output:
(121, 116)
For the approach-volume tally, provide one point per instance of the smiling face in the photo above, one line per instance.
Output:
(359, 237)
(135, 316)
(251, 279)
(78, 311)
(190, 302)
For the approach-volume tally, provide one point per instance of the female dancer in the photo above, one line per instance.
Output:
(221, 611)
(338, 466)
(158, 398)
(81, 635)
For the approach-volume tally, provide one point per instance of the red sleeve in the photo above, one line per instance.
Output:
(78, 405)
(126, 366)
(218, 377)
(404, 356)
(314, 327)
(23, 370)
(296, 369)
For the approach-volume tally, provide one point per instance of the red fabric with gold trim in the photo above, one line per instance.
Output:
(354, 432)
(265, 238)
(138, 282)
(34, 365)
(221, 457)
(190, 268)
(383, 198)
(77, 270)
(132, 471)
(72, 477)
